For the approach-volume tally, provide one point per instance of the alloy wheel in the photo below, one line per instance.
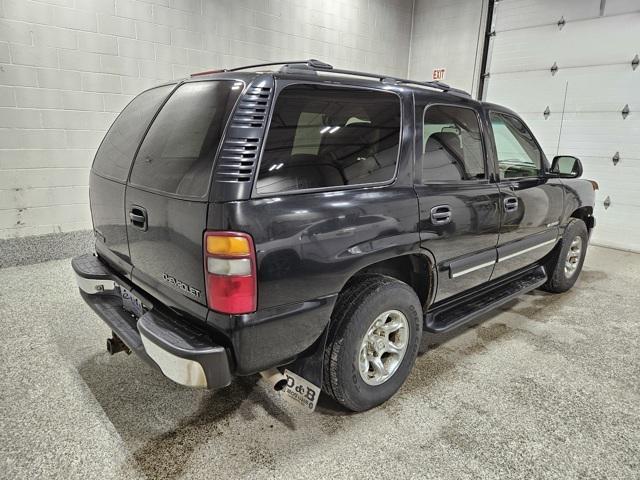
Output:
(383, 347)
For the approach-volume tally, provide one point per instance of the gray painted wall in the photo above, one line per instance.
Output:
(67, 67)
(448, 34)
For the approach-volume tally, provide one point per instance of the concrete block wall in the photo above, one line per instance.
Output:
(449, 34)
(67, 67)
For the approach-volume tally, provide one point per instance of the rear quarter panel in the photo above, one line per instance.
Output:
(309, 245)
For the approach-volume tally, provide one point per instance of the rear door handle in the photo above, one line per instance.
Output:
(138, 217)
(441, 215)
(510, 204)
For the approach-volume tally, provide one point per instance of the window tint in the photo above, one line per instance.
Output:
(452, 145)
(518, 154)
(116, 151)
(328, 136)
(177, 154)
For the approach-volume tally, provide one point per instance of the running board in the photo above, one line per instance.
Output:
(452, 313)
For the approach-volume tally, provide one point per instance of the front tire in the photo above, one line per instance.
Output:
(566, 267)
(373, 343)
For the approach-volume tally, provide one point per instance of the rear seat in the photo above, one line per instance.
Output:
(300, 171)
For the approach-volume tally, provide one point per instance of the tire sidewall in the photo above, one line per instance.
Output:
(392, 296)
(575, 228)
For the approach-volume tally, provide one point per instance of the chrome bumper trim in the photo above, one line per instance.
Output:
(94, 285)
(181, 370)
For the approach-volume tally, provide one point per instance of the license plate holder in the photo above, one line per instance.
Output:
(131, 303)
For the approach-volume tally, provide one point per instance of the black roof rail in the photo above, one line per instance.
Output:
(389, 79)
(438, 85)
(319, 66)
(311, 63)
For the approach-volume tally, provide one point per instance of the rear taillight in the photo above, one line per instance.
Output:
(230, 268)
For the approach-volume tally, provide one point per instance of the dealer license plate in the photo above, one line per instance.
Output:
(131, 303)
(300, 391)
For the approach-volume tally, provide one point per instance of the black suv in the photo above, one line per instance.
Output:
(319, 220)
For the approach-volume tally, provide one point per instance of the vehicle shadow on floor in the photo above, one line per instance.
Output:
(442, 356)
(162, 423)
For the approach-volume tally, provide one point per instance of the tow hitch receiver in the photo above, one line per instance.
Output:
(115, 345)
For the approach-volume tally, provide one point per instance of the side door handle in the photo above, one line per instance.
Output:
(510, 204)
(441, 215)
(138, 217)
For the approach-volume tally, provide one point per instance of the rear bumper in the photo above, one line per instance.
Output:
(184, 353)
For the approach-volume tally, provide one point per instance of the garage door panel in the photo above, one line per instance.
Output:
(604, 40)
(542, 90)
(619, 182)
(511, 51)
(593, 54)
(545, 130)
(512, 14)
(601, 134)
(605, 88)
(616, 7)
(617, 226)
(583, 94)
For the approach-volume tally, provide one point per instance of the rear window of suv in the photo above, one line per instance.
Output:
(177, 154)
(322, 137)
(113, 158)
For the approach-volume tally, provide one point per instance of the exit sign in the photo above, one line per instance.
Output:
(438, 73)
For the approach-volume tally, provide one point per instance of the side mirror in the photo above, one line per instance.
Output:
(565, 166)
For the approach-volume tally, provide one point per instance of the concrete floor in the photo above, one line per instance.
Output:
(546, 387)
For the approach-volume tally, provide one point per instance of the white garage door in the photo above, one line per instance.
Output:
(577, 60)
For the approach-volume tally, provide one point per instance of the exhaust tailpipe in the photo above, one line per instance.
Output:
(274, 378)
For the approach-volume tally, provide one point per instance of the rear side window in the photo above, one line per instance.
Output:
(113, 158)
(452, 145)
(323, 137)
(177, 154)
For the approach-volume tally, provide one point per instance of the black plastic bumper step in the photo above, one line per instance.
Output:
(121, 322)
(90, 266)
(185, 353)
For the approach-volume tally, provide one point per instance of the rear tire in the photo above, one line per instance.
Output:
(564, 269)
(373, 343)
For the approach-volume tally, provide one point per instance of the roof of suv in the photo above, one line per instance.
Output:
(314, 68)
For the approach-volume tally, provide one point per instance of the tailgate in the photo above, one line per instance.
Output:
(167, 194)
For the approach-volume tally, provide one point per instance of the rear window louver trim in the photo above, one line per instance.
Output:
(252, 109)
(238, 157)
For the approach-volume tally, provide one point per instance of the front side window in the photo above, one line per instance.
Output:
(177, 154)
(518, 154)
(452, 149)
(323, 136)
(114, 157)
